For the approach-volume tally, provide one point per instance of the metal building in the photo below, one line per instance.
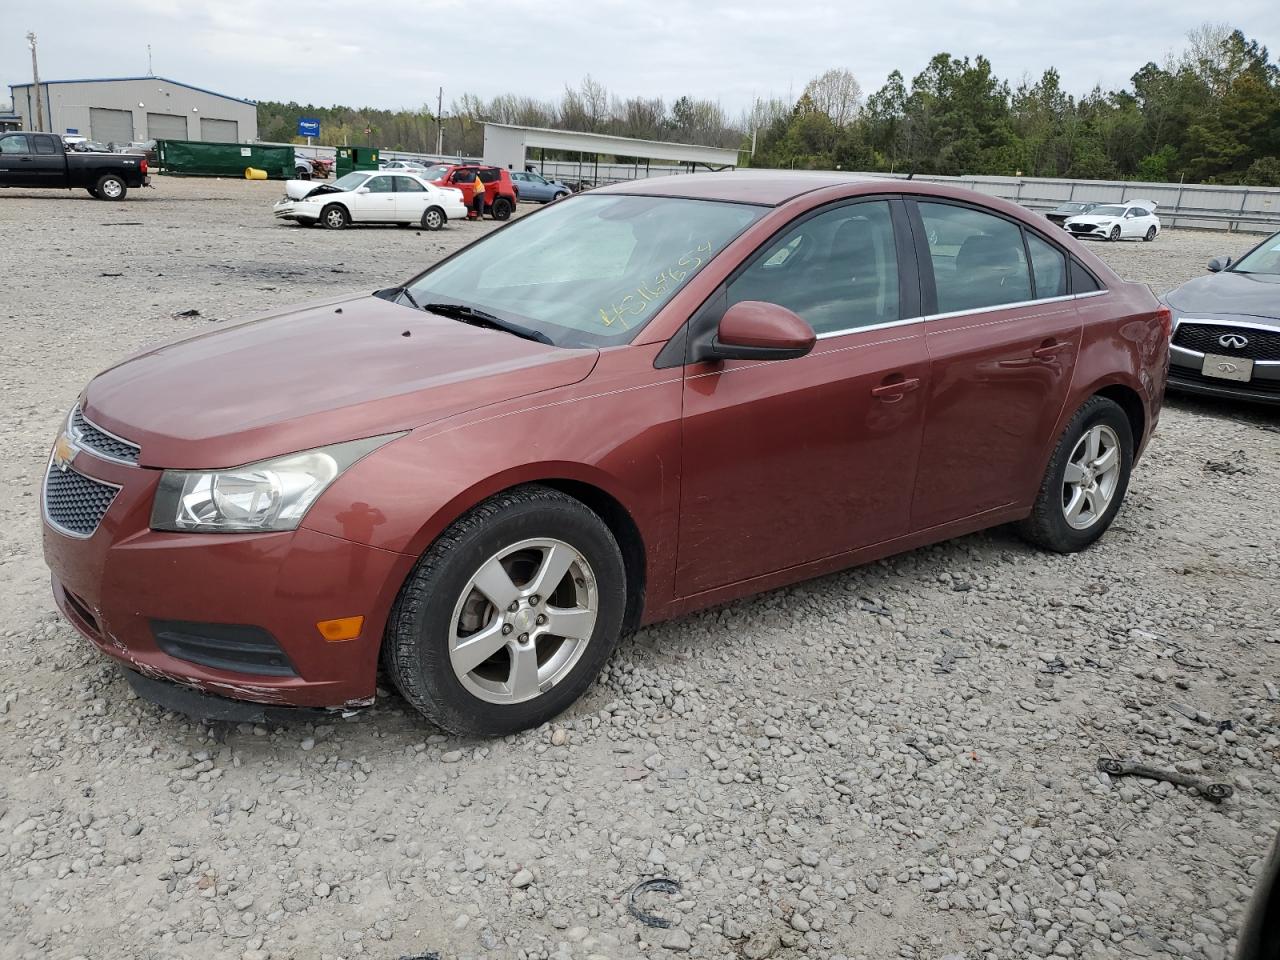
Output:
(507, 145)
(126, 109)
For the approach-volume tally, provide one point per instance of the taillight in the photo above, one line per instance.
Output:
(143, 165)
(1165, 316)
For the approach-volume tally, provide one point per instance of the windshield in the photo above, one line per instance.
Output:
(1107, 212)
(1264, 258)
(351, 180)
(436, 172)
(592, 271)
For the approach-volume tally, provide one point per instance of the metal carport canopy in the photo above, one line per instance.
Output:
(599, 143)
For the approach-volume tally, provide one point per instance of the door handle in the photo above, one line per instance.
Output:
(1050, 350)
(895, 389)
(25, 159)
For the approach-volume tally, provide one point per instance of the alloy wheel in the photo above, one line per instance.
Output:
(110, 189)
(432, 219)
(1091, 478)
(523, 621)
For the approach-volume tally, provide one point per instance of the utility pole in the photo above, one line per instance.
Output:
(150, 72)
(440, 122)
(35, 77)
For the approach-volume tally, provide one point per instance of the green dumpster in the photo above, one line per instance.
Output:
(198, 158)
(355, 158)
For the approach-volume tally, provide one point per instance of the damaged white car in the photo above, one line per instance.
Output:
(1131, 220)
(370, 196)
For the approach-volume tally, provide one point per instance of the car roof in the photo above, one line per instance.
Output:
(766, 187)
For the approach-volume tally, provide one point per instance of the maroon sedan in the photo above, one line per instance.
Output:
(633, 404)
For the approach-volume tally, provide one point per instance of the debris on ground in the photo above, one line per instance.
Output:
(1129, 768)
(655, 884)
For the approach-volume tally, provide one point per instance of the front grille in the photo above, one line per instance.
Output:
(73, 502)
(1261, 345)
(96, 440)
(1081, 227)
(224, 646)
(1191, 376)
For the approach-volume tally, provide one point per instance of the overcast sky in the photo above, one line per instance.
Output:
(395, 53)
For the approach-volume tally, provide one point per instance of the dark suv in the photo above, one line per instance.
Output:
(499, 192)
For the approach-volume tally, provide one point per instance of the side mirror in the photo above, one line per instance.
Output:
(755, 330)
(362, 189)
(1218, 264)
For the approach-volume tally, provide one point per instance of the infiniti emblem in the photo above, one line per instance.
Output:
(1235, 341)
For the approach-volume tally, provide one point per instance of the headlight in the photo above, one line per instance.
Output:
(271, 495)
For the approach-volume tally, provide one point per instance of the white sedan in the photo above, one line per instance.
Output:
(370, 196)
(1132, 220)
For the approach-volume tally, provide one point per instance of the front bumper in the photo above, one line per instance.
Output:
(1188, 380)
(290, 210)
(119, 582)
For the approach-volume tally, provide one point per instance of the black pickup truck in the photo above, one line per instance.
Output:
(40, 160)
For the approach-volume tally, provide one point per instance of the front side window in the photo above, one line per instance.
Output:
(14, 143)
(1049, 264)
(408, 185)
(1264, 258)
(591, 271)
(978, 259)
(838, 270)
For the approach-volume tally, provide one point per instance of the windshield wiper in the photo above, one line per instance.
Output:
(478, 318)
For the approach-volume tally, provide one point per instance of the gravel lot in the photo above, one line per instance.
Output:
(895, 761)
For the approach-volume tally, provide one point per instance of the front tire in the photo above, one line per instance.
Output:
(1115, 233)
(110, 187)
(1085, 481)
(335, 217)
(93, 192)
(510, 614)
(501, 209)
(433, 218)
(560, 195)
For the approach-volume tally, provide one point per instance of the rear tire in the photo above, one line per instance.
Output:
(110, 187)
(1151, 234)
(1078, 481)
(433, 218)
(501, 209)
(335, 217)
(507, 543)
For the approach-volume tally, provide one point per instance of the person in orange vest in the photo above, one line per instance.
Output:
(477, 199)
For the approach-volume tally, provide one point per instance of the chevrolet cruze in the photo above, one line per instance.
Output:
(632, 404)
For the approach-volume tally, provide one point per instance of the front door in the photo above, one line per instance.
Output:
(790, 461)
(1003, 341)
(378, 205)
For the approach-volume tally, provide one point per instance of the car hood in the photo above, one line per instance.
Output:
(1228, 293)
(1090, 218)
(314, 375)
(301, 189)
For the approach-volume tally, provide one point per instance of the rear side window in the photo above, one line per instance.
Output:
(380, 185)
(489, 175)
(1049, 264)
(408, 185)
(14, 143)
(1082, 281)
(45, 145)
(837, 270)
(978, 259)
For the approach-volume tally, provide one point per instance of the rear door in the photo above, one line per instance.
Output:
(786, 462)
(1002, 345)
(411, 199)
(378, 204)
(17, 164)
(48, 163)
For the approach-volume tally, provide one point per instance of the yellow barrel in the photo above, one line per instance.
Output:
(253, 173)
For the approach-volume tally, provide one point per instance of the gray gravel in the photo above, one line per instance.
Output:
(894, 761)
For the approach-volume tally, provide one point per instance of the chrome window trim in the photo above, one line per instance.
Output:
(961, 313)
(94, 451)
(44, 513)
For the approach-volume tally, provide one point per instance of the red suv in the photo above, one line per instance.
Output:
(500, 194)
(643, 401)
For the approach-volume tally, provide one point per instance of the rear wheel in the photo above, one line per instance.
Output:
(433, 218)
(502, 209)
(110, 187)
(1151, 234)
(303, 173)
(335, 217)
(509, 616)
(1115, 233)
(1085, 481)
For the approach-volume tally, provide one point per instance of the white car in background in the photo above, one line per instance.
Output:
(370, 196)
(1131, 220)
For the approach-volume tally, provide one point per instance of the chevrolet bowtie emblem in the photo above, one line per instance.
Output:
(64, 451)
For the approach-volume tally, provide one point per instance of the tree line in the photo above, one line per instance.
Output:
(1209, 113)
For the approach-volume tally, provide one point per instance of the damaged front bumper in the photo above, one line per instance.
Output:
(205, 706)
